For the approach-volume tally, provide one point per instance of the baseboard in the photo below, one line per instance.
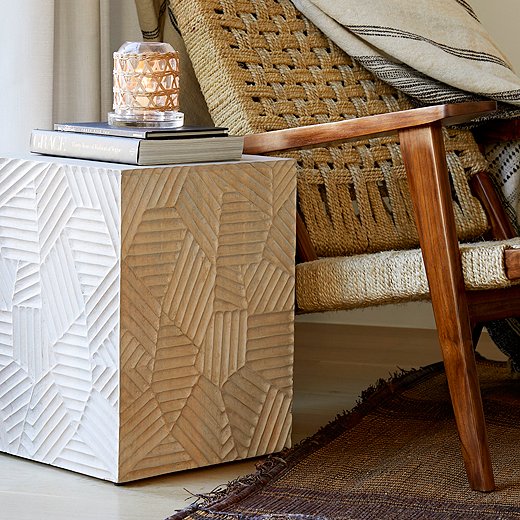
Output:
(368, 334)
(414, 315)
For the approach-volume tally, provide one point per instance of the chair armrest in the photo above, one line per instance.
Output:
(512, 262)
(497, 131)
(363, 127)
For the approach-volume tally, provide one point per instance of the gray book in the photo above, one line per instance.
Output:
(136, 151)
(139, 132)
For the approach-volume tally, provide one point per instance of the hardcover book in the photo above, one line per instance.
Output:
(103, 128)
(136, 151)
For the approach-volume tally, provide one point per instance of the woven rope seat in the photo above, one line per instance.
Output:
(391, 277)
(263, 66)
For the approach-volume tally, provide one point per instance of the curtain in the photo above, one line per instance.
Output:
(158, 24)
(56, 63)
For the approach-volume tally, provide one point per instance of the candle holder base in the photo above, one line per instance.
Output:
(170, 119)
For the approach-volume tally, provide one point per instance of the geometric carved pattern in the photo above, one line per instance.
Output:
(207, 314)
(59, 277)
(146, 314)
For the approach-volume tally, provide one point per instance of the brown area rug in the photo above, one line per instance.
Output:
(395, 456)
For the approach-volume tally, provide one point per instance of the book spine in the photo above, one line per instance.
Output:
(85, 146)
(122, 132)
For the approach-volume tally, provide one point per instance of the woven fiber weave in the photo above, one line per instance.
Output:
(391, 277)
(147, 82)
(263, 66)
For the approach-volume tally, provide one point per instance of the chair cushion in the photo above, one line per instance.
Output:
(344, 283)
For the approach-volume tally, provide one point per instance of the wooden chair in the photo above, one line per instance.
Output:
(268, 73)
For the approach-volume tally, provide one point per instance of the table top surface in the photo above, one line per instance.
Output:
(51, 159)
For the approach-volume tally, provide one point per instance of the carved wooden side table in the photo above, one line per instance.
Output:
(146, 313)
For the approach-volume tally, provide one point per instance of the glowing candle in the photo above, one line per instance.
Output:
(146, 85)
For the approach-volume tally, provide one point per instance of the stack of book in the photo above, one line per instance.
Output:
(137, 145)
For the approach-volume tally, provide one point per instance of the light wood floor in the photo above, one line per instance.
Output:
(333, 364)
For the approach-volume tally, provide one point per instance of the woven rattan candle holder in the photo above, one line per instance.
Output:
(146, 86)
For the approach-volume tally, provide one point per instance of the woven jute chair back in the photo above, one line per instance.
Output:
(263, 66)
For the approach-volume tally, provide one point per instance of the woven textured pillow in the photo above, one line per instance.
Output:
(263, 66)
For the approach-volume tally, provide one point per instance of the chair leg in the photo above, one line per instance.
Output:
(425, 161)
(461, 373)
(476, 333)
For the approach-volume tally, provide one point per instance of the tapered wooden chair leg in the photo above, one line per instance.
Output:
(476, 333)
(425, 161)
(461, 373)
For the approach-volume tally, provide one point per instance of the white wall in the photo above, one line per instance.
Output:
(501, 18)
